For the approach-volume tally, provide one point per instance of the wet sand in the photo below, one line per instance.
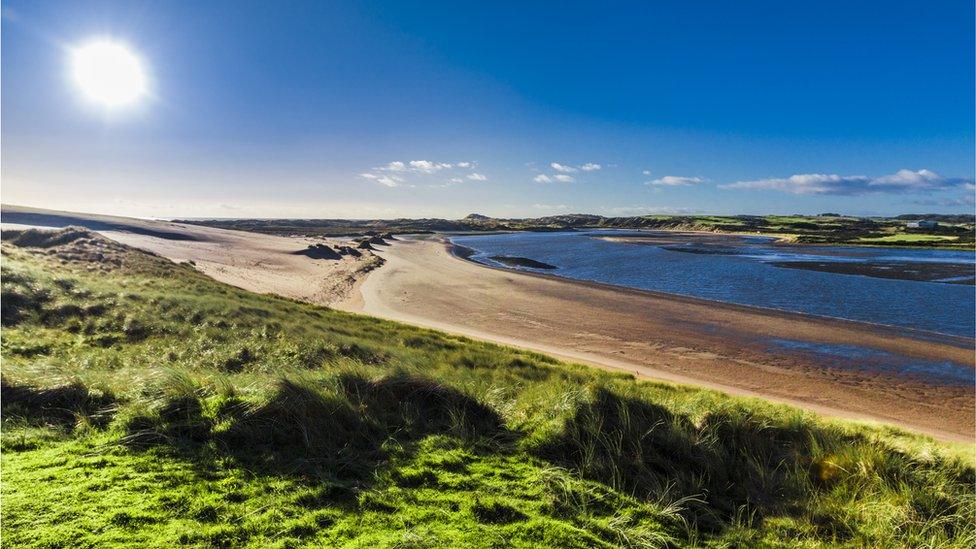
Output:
(728, 347)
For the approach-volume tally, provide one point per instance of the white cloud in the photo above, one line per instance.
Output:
(591, 167)
(908, 178)
(394, 173)
(646, 172)
(902, 181)
(562, 167)
(426, 166)
(559, 177)
(383, 179)
(675, 181)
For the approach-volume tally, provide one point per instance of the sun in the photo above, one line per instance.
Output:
(108, 73)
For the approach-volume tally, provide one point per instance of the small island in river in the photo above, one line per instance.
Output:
(521, 262)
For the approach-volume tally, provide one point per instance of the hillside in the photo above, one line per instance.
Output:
(956, 231)
(145, 403)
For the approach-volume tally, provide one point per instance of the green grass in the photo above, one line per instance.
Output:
(145, 404)
(909, 238)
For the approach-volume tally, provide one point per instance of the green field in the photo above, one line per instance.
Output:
(909, 238)
(145, 404)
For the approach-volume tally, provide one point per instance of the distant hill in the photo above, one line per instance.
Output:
(819, 229)
(944, 218)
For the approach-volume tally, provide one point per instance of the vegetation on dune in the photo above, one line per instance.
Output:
(144, 403)
(955, 231)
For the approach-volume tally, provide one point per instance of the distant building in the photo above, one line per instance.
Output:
(923, 224)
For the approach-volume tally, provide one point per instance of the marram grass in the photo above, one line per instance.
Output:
(147, 405)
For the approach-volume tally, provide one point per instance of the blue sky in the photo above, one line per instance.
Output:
(381, 109)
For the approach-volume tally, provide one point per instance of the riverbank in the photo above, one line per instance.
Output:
(674, 338)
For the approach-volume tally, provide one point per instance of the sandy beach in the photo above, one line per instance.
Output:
(651, 335)
(668, 337)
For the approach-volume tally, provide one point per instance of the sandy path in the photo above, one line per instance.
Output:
(668, 337)
(256, 262)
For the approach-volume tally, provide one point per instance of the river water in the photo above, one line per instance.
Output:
(742, 270)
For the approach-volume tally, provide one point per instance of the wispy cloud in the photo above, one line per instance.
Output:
(902, 181)
(426, 166)
(566, 168)
(646, 172)
(563, 171)
(395, 174)
(561, 167)
(675, 181)
(557, 178)
(383, 179)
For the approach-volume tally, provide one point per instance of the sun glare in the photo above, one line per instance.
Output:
(108, 73)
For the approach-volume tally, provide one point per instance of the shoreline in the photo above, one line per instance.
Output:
(536, 311)
(457, 249)
(790, 239)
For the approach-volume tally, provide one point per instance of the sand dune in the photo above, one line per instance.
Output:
(256, 262)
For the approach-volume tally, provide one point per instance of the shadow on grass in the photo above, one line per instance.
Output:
(61, 407)
(339, 438)
(724, 464)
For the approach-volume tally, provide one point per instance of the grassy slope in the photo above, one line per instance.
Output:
(145, 403)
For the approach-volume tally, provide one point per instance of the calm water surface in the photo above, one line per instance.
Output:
(742, 274)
